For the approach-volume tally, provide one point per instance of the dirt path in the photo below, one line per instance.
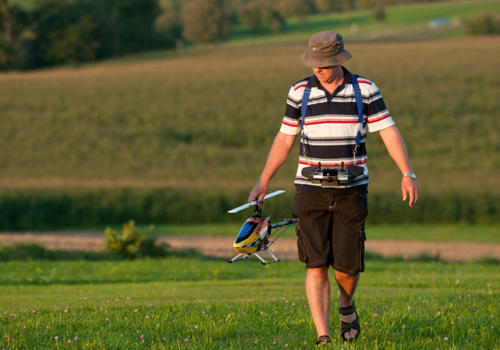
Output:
(285, 248)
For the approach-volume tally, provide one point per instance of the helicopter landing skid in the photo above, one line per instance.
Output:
(238, 257)
(263, 261)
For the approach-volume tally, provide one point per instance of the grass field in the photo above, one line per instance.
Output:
(416, 232)
(404, 22)
(204, 120)
(207, 304)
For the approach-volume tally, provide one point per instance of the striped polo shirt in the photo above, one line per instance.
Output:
(331, 125)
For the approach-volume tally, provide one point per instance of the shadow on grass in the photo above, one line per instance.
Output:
(33, 252)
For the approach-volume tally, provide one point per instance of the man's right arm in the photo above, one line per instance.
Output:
(280, 150)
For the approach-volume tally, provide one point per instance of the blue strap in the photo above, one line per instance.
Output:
(305, 101)
(359, 105)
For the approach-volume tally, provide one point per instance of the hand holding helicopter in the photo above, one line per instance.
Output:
(254, 237)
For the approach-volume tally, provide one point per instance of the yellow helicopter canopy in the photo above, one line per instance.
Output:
(251, 233)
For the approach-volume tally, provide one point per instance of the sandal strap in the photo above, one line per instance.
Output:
(323, 340)
(348, 309)
(346, 327)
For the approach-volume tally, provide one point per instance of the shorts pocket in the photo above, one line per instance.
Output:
(301, 249)
(352, 207)
(361, 255)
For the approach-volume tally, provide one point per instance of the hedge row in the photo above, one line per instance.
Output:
(58, 209)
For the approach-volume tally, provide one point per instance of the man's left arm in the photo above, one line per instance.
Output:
(397, 150)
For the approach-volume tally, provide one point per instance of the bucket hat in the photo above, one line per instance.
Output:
(325, 49)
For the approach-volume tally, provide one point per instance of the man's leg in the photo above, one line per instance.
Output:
(347, 286)
(318, 296)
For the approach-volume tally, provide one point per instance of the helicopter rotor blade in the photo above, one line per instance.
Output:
(254, 202)
(244, 206)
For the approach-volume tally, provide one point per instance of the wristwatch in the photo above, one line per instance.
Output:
(412, 175)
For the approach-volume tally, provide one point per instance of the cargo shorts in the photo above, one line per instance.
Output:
(330, 228)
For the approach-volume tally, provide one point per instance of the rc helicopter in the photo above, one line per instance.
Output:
(254, 237)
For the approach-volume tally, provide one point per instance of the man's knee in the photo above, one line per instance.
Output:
(345, 277)
(318, 273)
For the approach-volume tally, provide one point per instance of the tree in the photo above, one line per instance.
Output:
(258, 14)
(296, 8)
(63, 34)
(14, 31)
(169, 20)
(204, 21)
(326, 6)
(123, 26)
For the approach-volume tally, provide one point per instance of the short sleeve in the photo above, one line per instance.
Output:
(378, 116)
(290, 122)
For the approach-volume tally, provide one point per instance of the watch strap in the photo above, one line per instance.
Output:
(412, 175)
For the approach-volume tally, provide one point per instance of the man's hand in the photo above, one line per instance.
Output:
(397, 150)
(258, 192)
(409, 187)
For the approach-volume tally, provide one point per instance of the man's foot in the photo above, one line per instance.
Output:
(323, 340)
(349, 324)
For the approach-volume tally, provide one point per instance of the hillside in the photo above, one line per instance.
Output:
(207, 118)
(402, 23)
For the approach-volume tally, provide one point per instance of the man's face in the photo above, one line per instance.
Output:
(327, 74)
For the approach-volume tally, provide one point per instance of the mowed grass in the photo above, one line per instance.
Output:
(197, 303)
(402, 22)
(414, 232)
(206, 118)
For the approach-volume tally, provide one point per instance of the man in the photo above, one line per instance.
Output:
(331, 213)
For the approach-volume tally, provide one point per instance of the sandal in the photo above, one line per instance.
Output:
(346, 327)
(323, 340)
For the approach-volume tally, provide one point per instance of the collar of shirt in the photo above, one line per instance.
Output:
(314, 82)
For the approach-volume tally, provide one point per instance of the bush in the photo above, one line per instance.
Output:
(379, 12)
(483, 24)
(133, 243)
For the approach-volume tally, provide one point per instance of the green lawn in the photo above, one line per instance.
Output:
(445, 232)
(403, 22)
(207, 304)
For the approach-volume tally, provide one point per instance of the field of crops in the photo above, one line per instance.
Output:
(197, 303)
(183, 137)
(206, 119)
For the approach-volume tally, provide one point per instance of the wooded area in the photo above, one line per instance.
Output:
(42, 33)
